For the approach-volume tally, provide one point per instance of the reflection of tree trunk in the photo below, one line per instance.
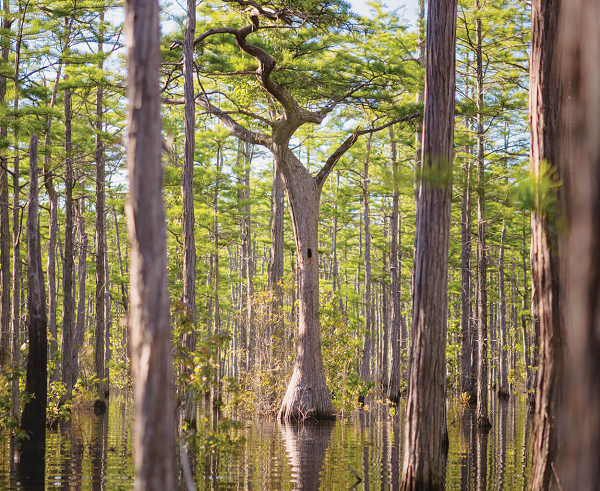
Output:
(97, 451)
(525, 449)
(467, 430)
(482, 444)
(306, 446)
(385, 468)
(502, 434)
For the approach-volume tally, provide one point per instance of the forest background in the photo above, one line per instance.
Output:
(63, 78)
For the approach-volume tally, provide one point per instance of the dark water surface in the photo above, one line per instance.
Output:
(361, 451)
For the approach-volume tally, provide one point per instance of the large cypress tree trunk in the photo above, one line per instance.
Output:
(426, 434)
(581, 425)
(307, 394)
(276, 253)
(545, 95)
(482, 319)
(154, 430)
(33, 420)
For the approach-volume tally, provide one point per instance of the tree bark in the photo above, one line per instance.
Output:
(52, 231)
(100, 238)
(69, 262)
(5, 238)
(482, 320)
(365, 367)
(16, 230)
(468, 381)
(154, 428)
(187, 196)
(277, 238)
(426, 433)
(545, 95)
(397, 343)
(580, 46)
(33, 420)
(81, 274)
(503, 391)
(385, 327)
(307, 394)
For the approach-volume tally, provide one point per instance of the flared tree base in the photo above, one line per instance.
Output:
(306, 398)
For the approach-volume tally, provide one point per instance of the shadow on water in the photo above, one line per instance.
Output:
(360, 451)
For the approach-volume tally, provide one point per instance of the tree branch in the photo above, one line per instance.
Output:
(351, 140)
(234, 128)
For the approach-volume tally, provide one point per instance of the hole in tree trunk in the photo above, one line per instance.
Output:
(309, 253)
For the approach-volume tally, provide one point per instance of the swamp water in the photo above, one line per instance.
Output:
(362, 451)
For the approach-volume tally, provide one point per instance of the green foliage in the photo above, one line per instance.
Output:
(7, 420)
(341, 345)
(57, 408)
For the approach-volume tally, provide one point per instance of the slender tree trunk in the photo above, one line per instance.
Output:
(100, 238)
(396, 342)
(107, 320)
(503, 391)
(217, 314)
(154, 429)
(482, 320)
(426, 432)
(385, 358)
(33, 420)
(16, 229)
(544, 106)
(468, 368)
(365, 367)
(81, 274)
(52, 231)
(581, 424)
(187, 195)
(69, 263)
(5, 238)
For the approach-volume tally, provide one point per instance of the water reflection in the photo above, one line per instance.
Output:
(361, 451)
(305, 445)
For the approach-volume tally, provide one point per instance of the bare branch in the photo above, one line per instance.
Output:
(351, 140)
(234, 128)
